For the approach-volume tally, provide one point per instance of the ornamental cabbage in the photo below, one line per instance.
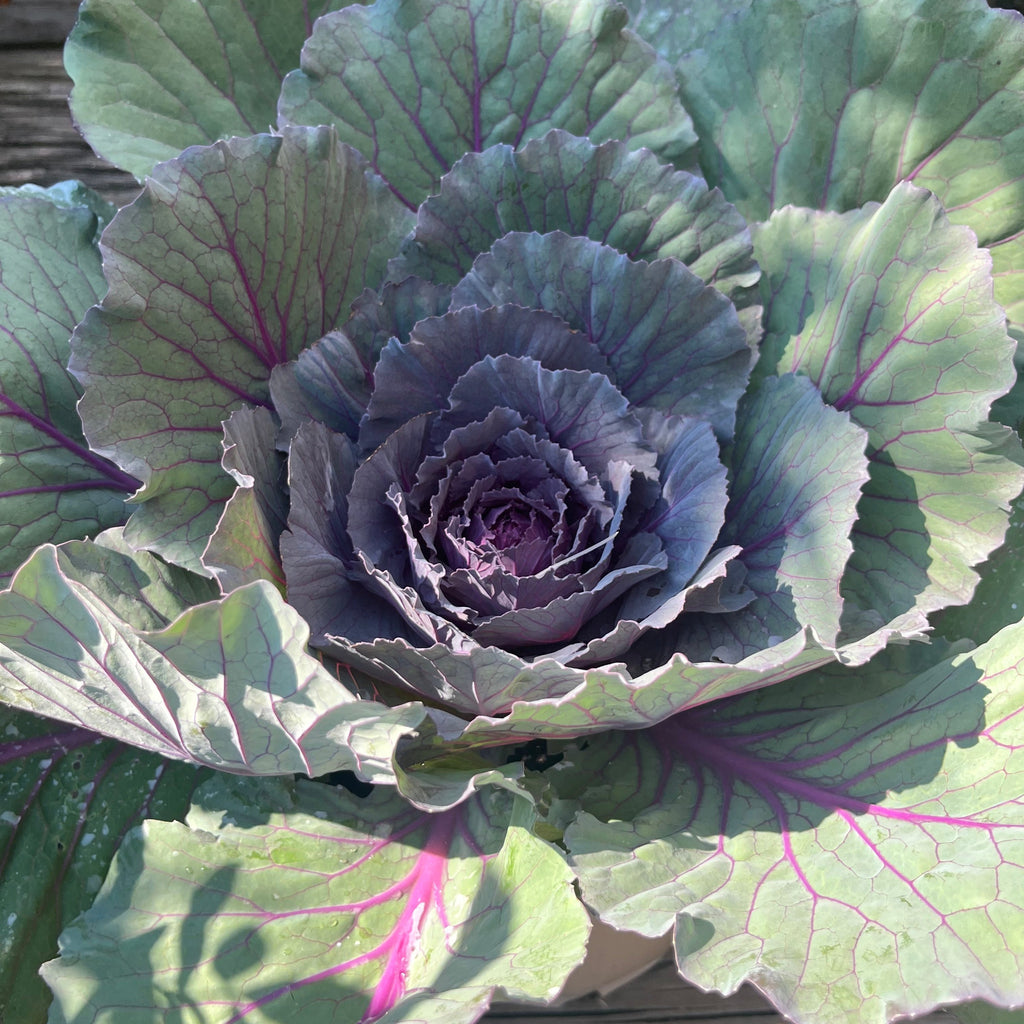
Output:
(498, 489)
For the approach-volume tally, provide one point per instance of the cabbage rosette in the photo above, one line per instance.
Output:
(562, 504)
(456, 430)
(508, 503)
(543, 474)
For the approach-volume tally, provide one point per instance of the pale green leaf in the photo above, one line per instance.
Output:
(415, 84)
(889, 311)
(287, 904)
(87, 636)
(235, 258)
(153, 77)
(851, 843)
(829, 103)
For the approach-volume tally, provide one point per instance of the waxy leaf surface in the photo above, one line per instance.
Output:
(852, 843)
(52, 487)
(673, 342)
(415, 84)
(675, 28)
(829, 103)
(999, 598)
(615, 195)
(587, 702)
(153, 77)
(116, 643)
(323, 908)
(244, 547)
(331, 381)
(235, 258)
(798, 466)
(889, 311)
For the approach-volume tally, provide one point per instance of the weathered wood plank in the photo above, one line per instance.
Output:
(35, 22)
(38, 142)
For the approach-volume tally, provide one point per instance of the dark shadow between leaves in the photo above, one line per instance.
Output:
(888, 572)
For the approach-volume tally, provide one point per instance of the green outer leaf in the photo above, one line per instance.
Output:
(797, 467)
(445, 782)
(305, 904)
(226, 684)
(999, 599)
(674, 27)
(1007, 259)
(144, 591)
(52, 488)
(852, 843)
(889, 311)
(415, 84)
(68, 797)
(235, 258)
(592, 701)
(620, 197)
(67, 194)
(829, 103)
(153, 77)
(244, 548)
(985, 1013)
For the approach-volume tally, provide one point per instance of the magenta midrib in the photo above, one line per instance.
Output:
(117, 480)
(58, 743)
(764, 775)
(428, 878)
(424, 883)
